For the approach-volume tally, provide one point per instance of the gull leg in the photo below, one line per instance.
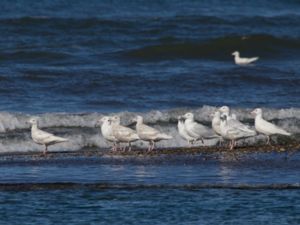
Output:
(220, 141)
(149, 146)
(153, 145)
(129, 144)
(45, 150)
(231, 144)
(268, 140)
(113, 148)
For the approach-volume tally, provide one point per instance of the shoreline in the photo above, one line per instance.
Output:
(289, 149)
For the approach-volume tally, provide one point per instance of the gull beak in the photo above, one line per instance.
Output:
(253, 113)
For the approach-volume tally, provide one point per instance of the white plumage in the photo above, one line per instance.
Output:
(122, 133)
(265, 127)
(107, 132)
(233, 132)
(243, 61)
(215, 122)
(147, 133)
(197, 130)
(233, 122)
(183, 132)
(42, 137)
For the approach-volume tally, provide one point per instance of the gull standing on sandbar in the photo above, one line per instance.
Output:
(42, 137)
(232, 132)
(107, 132)
(183, 132)
(233, 122)
(265, 127)
(197, 130)
(243, 61)
(122, 133)
(149, 134)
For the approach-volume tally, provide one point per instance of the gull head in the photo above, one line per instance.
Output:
(256, 112)
(188, 115)
(105, 119)
(236, 53)
(138, 119)
(33, 121)
(224, 109)
(116, 120)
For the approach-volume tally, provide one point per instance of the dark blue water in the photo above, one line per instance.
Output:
(79, 56)
(132, 55)
(252, 190)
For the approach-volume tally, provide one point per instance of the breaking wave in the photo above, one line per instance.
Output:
(81, 131)
(218, 48)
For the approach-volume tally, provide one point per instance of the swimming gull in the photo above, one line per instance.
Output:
(265, 127)
(42, 137)
(243, 61)
(149, 134)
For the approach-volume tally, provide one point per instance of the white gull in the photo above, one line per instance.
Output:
(197, 130)
(107, 132)
(243, 61)
(265, 127)
(147, 133)
(183, 132)
(232, 132)
(233, 122)
(123, 134)
(42, 137)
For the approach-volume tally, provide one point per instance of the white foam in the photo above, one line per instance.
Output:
(80, 128)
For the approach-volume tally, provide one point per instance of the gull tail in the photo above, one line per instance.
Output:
(60, 139)
(250, 133)
(283, 132)
(164, 136)
(135, 137)
(253, 59)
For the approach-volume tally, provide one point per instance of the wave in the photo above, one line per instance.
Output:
(87, 22)
(219, 48)
(63, 23)
(81, 130)
(103, 186)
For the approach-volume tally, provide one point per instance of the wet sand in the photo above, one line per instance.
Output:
(287, 149)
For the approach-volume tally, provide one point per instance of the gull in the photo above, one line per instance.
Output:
(233, 122)
(107, 132)
(232, 132)
(216, 121)
(265, 127)
(183, 132)
(197, 130)
(122, 133)
(215, 124)
(149, 134)
(42, 137)
(242, 61)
